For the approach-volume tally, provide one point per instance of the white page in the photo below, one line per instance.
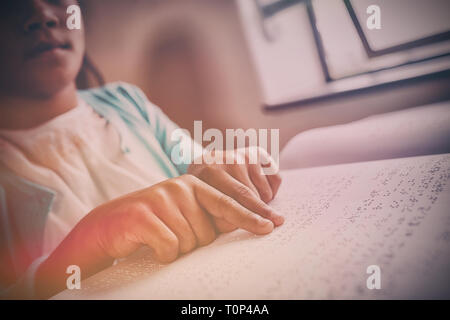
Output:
(339, 220)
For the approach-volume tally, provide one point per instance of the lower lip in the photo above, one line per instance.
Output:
(52, 53)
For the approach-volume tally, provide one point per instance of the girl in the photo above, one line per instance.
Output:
(86, 176)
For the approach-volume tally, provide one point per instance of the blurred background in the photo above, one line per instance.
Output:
(237, 64)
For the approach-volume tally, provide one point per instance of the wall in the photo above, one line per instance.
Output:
(191, 59)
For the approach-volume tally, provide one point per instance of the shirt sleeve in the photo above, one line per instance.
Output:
(177, 143)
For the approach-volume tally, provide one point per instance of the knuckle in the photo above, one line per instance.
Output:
(188, 244)
(250, 216)
(178, 185)
(266, 212)
(224, 202)
(207, 172)
(188, 178)
(261, 207)
(223, 205)
(266, 194)
(169, 252)
(136, 210)
(242, 191)
(208, 237)
(159, 196)
(171, 242)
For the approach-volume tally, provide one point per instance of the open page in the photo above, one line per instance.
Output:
(390, 218)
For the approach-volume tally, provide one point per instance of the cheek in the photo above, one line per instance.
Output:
(10, 64)
(78, 44)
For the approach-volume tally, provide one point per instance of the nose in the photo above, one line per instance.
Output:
(42, 16)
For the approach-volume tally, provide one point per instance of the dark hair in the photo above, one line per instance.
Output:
(89, 75)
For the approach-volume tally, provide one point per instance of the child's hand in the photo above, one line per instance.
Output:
(171, 217)
(244, 182)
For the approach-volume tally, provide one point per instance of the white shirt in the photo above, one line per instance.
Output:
(78, 156)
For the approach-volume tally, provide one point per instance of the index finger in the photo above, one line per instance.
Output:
(222, 206)
(229, 185)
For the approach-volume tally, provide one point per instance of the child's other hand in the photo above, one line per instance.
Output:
(243, 182)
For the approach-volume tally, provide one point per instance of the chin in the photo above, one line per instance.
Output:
(45, 84)
(49, 87)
